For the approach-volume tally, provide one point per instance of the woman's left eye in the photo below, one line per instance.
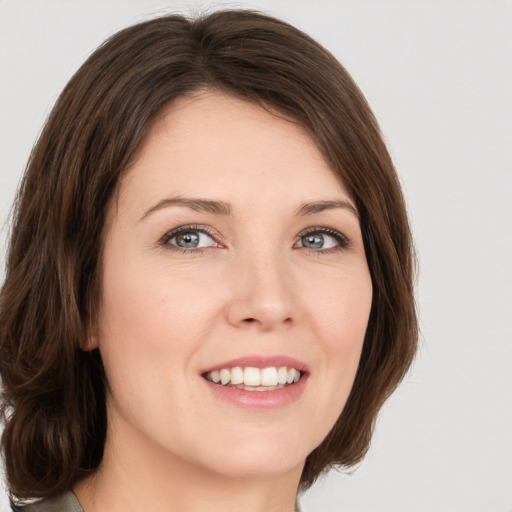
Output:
(318, 240)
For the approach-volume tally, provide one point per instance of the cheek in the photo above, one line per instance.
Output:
(355, 301)
(150, 329)
(341, 316)
(153, 320)
(341, 309)
(153, 297)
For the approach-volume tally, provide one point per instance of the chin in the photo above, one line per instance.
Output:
(260, 456)
(260, 467)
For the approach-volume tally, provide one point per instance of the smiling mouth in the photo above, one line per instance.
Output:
(250, 378)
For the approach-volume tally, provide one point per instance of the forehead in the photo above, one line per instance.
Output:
(210, 143)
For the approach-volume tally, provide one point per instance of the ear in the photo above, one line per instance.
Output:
(91, 341)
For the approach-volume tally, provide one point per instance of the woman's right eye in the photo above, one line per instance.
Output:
(189, 238)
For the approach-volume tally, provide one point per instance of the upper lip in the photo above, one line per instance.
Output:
(256, 361)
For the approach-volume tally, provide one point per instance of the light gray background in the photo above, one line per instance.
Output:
(438, 75)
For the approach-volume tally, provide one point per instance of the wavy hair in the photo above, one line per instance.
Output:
(53, 399)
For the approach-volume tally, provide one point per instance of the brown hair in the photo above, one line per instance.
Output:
(54, 392)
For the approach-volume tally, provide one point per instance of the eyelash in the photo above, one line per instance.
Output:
(343, 241)
(164, 241)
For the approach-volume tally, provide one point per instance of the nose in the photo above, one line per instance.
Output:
(263, 294)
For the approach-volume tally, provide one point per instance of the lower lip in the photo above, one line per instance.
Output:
(259, 399)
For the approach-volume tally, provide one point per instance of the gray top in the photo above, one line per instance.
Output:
(65, 503)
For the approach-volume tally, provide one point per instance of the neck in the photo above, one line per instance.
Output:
(139, 476)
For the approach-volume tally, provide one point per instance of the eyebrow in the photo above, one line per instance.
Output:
(321, 206)
(223, 208)
(198, 205)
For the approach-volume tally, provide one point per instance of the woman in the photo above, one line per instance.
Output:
(209, 286)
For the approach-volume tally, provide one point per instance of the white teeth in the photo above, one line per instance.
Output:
(255, 379)
(282, 375)
(259, 388)
(269, 377)
(237, 375)
(225, 376)
(252, 376)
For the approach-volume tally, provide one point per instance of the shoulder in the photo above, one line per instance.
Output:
(65, 503)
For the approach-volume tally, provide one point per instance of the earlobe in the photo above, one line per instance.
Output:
(90, 342)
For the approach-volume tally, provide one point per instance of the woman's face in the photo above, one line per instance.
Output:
(232, 252)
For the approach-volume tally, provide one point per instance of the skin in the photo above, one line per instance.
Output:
(253, 288)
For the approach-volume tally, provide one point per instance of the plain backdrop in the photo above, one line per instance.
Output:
(438, 75)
